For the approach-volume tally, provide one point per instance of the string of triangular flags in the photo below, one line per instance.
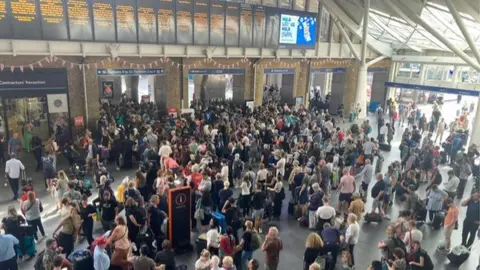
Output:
(166, 60)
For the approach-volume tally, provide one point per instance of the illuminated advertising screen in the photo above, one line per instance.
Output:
(298, 30)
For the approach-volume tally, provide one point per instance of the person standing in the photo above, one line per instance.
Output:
(472, 219)
(32, 209)
(14, 145)
(352, 234)
(13, 169)
(8, 259)
(366, 176)
(258, 204)
(452, 184)
(101, 261)
(347, 187)
(52, 150)
(272, 246)
(451, 219)
(87, 211)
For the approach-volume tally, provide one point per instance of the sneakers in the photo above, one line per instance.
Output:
(387, 217)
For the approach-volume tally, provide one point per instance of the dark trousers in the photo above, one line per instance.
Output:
(332, 248)
(350, 249)
(468, 231)
(87, 228)
(14, 186)
(10, 264)
(36, 225)
(37, 152)
(431, 214)
(66, 242)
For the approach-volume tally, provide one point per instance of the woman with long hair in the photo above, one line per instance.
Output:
(313, 247)
(11, 225)
(32, 208)
(70, 226)
(119, 240)
(245, 187)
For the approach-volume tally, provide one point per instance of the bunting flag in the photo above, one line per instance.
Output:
(88, 66)
(124, 63)
(71, 65)
(30, 66)
(12, 68)
(55, 59)
(150, 65)
(80, 67)
(63, 63)
(155, 63)
(101, 62)
(39, 63)
(21, 68)
(109, 59)
(2, 67)
(47, 58)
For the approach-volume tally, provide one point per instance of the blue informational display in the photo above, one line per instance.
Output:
(298, 30)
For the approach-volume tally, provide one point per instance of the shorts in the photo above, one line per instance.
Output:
(345, 197)
(386, 198)
(364, 186)
(376, 204)
(258, 214)
(448, 232)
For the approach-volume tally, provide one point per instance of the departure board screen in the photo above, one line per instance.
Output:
(272, 30)
(104, 20)
(25, 19)
(200, 22)
(125, 14)
(54, 21)
(232, 24)
(217, 23)
(259, 27)
(184, 21)
(147, 23)
(5, 29)
(80, 19)
(166, 21)
(246, 26)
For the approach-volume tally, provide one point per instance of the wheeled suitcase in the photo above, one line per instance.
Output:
(385, 147)
(201, 243)
(29, 246)
(220, 218)
(291, 207)
(81, 259)
(298, 211)
(369, 217)
(438, 220)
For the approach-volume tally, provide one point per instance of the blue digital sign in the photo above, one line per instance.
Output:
(298, 30)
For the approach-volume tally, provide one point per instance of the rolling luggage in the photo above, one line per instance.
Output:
(291, 207)
(29, 246)
(81, 259)
(369, 217)
(385, 147)
(437, 222)
(220, 218)
(298, 211)
(201, 243)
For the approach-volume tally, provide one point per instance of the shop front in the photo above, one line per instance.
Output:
(35, 103)
(279, 85)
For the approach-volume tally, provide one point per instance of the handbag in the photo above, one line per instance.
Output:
(411, 254)
(199, 212)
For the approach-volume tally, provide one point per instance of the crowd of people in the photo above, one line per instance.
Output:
(244, 164)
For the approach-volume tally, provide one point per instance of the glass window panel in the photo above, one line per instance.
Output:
(300, 5)
(286, 3)
(313, 6)
(324, 25)
(409, 70)
(335, 34)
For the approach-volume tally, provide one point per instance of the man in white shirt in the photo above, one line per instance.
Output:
(325, 213)
(165, 150)
(451, 185)
(368, 148)
(13, 169)
(366, 176)
(281, 167)
(383, 133)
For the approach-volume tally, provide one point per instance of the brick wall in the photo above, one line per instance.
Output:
(172, 80)
(300, 77)
(217, 64)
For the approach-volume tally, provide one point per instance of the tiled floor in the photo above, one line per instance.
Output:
(292, 235)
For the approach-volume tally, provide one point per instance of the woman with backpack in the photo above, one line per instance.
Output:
(11, 225)
(227, 243)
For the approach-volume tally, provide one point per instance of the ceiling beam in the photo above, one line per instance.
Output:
(395, 34)
(346, 39)
(378, 46)
(463, 28)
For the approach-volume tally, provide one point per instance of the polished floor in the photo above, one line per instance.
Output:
(291, 233)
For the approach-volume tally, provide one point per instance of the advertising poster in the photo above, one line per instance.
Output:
(107, 89)
(298, 30)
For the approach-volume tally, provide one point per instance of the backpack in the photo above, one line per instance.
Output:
(256, 241)
(39, 261)
(398, 243)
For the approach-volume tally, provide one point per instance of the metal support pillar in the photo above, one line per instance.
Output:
(360, 93)
(346, 39)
